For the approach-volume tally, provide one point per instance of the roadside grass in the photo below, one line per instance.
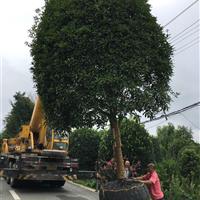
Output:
(91, 183)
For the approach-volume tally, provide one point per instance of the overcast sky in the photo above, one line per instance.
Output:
(16, 18)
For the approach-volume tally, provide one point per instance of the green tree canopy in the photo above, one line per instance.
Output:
(106, 145)
(137, 143)
(179, 165)
(189, 161)
(21, 111)
(84, 144)
(172, 140)
(100, 58)
(95, 61)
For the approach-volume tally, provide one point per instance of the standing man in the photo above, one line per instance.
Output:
(152, 181)
(127, 167)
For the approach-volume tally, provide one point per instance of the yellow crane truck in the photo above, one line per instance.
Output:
(37, 153)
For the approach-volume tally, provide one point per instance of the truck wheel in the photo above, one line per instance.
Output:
(57, 184)
(8, 178)
(60, 183)
(14, 181)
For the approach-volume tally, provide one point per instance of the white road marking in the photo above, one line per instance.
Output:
(82, 186)
(75, 196)
(14, 195)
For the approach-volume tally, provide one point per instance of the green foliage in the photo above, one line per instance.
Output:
(21, 111)
(189, 161)
(172, 140)
(136, 142)
(167, 169)
(87, 182)
(157, 154)
(106, 145)
(179, 176)
(95, 60)
(84, 144)
(181, 189)
(179, 168)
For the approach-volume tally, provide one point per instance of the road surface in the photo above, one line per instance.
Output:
(34, 192)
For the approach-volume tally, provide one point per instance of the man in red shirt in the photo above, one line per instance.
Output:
(152, 181)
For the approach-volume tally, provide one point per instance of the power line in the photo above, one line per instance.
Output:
(173, 113)
(185, 30)
(156, 124)
(187, 48)
(173, 19)
(194, 125)
(184, 37)
(183, 34)
(180, 48)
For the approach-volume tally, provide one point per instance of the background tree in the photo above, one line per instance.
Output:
(180, 162)
(105, 145)
(172, 140)
(190, 164)
(84, 145)
(137, 144)
(98, 61)
(157, 153)
(21, 111)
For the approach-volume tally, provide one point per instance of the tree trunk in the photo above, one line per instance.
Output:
(122, 188)
(118, 150)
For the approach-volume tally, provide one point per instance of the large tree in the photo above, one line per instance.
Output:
(98, 61)
(21, 111)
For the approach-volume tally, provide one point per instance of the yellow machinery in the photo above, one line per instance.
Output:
(37, 153)
(36, 136)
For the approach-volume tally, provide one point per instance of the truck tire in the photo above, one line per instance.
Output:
(57, 183)
(8, 178)
(14, 182)
(60, 183)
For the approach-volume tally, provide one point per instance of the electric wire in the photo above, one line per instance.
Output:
(173, 19)
(187, 48)
(194, 125)
(185, 45)
(185, 37)
(183, 31)
(156, 125)
(173, 113)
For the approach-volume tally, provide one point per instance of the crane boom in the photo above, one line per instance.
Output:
(37, 118)
(37, 124)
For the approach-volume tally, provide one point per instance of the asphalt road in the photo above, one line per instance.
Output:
(36, 192)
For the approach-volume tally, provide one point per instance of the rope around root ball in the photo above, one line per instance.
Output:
(105, 190)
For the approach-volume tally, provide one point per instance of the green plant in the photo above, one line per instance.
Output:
(189, 161)
(87, 182)
(84, 145)
(21, 111)
(181, 189)
(167, 169)
(99, 61)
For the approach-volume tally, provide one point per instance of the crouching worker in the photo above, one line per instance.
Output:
(152, 181)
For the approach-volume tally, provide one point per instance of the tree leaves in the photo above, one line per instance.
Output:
(96, 59)
(21, 111)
